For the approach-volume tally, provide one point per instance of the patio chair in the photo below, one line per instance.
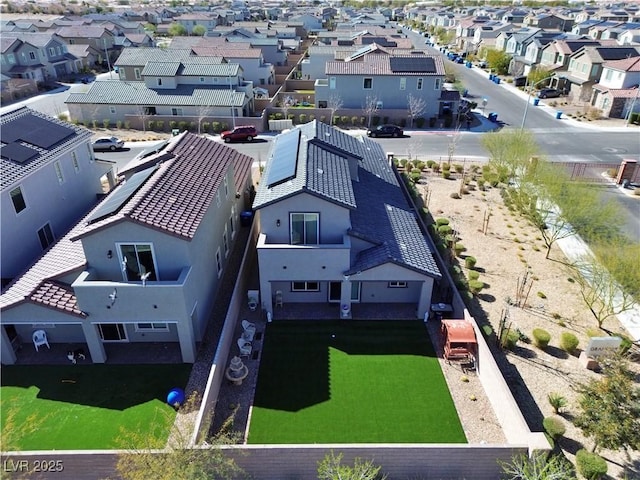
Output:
(249, 330)
(278, 298)
(245, 347)
(253, 299)
(40, 338)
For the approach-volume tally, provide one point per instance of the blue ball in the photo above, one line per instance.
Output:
(175, 397)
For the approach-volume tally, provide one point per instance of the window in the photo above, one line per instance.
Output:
(138, 262)
(304, 228)
(225, 241)
(152, 327)
(436, 85)
(112, 109)
(368, 83)
(218, 262)
(18, 199)
(46, 236)
(231, 220)
(159, 81)
(58, 169)
(136, 73)
(226, 186)
(397, 285)
(201, 79)
(74, 160)
(403, 83)
(419, 85)
(12, 58)
(32, 55)
(305, 286)
(176, 112)
(52, 51)
(332, 83)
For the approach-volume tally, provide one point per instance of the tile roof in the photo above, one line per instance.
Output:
(413, 64)
(13, 172)
(227, 52)
(83, 31)
(173, 200)
(379, 211)
(161, 69)
(626, 64)
(137, 93)
(136, 56)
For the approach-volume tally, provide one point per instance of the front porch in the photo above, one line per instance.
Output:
(331, 311)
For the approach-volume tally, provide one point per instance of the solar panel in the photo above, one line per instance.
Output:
(17, 153)
(412, 64)
(120, 196)
(36, 131)
(284, 158)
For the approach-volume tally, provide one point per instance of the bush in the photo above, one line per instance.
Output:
(541, 338)
(446, 174)
(302, 118)
(430, 163)
(205, 126)
(119, 124)
(557, 401)
(459, 248)
(441, 221)
(487, 330)
(444, 230)
(64, 117)
(455, 195)
(473, 275)
(568, 342)
(354, 121)
(420, 122)
(476, 286)
(106, 123)
(509, 339)
(470, 262)
(554, 426)
(590, 465)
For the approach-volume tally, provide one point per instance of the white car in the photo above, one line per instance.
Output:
(107, 143)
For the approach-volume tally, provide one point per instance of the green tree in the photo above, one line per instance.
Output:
(147, 457)
(537, 75)
(510, 151)
(199, 30)
(176, 30)
(498, 61)
(610, 408)
(331, 468)
(538, 467)
(609, 279)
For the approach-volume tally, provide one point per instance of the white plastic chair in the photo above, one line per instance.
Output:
(253, 299)
(245, 347)
(40, 338)
(278, 298)
(249, 330)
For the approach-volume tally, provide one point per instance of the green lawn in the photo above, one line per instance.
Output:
(351, 382)
(85, 406)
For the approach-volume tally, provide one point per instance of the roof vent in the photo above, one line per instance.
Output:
(320, 171)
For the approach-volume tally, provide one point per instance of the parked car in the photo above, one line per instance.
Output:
(385, 131)
(549, 93)
(107, 143)
(244, 132)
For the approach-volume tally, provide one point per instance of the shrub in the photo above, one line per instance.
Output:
(557, 401)
(344, 119)
(509, 339)
(458, 168)
(119, 124)
(476, 286)
(94, 123)
(183, 125)
(554, 426)
(354, 120)
(473, 275)
(105, 123)
(595, 332)
(205, 126)
(568, 342)
(455, 195)
(442, 221)
(302, 118)
(487, 330)
(446, 174)
(64, 117)
(430, 163)
(541, 338)
(540, 294)
(459, 248)
(470, 262)
(436, 167)
(173, 124)
(590, 465)
(415, 176)
(444, 230)
(420, 122)
(127, 125)
(160, 125)
(151, 125)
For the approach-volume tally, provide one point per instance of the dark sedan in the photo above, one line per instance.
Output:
(385, 131)
(549, 93)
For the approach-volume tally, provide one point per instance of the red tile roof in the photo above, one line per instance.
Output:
(58, 296)
(631, 64)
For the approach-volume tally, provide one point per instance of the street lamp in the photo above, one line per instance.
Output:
(526, 107)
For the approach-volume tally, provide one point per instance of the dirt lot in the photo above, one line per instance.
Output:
(508, 250)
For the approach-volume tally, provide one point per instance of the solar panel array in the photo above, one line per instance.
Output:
(17, 153)
(284, 159)
(412, 65)
(35, 130)
(120, 196)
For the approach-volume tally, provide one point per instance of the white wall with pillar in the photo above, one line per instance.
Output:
(94, 342)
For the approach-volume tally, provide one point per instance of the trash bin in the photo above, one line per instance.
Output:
(465, 93)
(246, 218)
(536, 101)
(491, 75)
(468, 64)
(496, 79)
(558, 115)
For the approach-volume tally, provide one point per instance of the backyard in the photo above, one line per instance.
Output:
(351, 382)
(81, 407)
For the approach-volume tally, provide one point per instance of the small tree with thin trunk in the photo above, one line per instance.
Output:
(370, 107)
(538, 467)
(331, 468)
(334, 103)
(416, 106)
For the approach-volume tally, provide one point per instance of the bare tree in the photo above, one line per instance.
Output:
(203, 112)
(371, 107)
(142, 113)
(334, 103)
(416, 106)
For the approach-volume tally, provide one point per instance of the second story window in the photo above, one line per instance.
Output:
(367, 83)
(138, 262)
(436, 86)
(419, 85)
(45, 235)
(58, 170)
(304, 228)
(74, 160)
(136, 73)
(32, 55)
(18, 200)
(403, 83)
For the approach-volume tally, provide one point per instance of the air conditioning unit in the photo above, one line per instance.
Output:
(378, 104)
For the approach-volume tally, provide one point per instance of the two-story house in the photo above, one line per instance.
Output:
(336, 228)
(50, 178)
(37, 56)
(390, 79)
(98, 37)
(616, 94)
(556, 54)
(187, 90)
(145, 264)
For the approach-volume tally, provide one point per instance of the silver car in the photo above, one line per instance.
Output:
(107, 143)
